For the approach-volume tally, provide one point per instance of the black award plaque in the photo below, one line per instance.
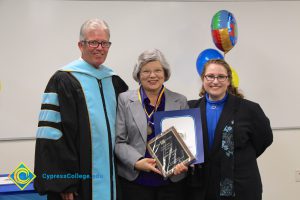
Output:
(169, 149)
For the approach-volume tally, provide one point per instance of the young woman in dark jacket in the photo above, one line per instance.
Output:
(236, 132)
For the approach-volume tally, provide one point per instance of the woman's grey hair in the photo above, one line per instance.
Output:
(150, 56)
(93, 24)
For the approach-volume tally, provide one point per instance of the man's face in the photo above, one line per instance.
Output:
(95, 56)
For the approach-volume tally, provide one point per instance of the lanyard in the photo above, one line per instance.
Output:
(158, 100)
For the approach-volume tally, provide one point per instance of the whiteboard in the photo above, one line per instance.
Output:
(39, 37)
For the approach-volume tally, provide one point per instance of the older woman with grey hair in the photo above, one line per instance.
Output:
(137, 170)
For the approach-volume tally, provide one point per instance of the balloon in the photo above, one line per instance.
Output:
(205, 56)
(235, 78)
(224, 30)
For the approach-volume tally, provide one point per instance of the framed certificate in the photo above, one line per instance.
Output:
(188, 125)
(169, 150)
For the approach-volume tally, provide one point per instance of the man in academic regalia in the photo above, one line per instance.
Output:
(76, 132)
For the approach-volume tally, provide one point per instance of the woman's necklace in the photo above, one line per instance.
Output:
(148, 115)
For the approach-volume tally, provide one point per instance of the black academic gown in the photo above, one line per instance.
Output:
(252, 135)
(71, 153)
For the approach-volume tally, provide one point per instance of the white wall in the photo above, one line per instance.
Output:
(38, 37)
(278, 165)
(14, 152)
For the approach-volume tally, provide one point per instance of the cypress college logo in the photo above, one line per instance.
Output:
(22, 176)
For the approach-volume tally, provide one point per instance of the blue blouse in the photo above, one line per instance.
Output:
(213, 113)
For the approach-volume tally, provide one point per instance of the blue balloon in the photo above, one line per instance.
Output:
(205, 56)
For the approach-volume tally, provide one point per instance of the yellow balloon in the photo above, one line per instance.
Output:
(235, 77)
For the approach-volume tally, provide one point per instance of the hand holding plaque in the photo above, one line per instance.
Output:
(168, 149)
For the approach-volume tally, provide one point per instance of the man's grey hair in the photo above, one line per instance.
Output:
(93, 24)
(150, 56)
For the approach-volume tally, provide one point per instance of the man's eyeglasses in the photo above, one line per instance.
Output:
(212, 77)
(95, 43)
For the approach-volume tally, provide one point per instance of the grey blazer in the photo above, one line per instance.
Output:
(131, 130)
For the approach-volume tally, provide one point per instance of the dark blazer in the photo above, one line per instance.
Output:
(252, 135)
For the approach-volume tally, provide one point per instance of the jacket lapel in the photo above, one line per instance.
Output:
(138, 114)
(204, 127)
(171, 101)
(226, 116)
